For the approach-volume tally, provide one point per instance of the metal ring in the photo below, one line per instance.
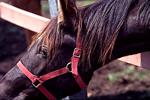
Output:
(68, 66)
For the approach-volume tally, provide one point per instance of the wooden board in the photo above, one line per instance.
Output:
(22, 18)
(141, 59)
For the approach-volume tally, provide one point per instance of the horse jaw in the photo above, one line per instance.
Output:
(21, 96)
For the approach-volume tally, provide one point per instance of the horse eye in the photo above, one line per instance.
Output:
(43, 50)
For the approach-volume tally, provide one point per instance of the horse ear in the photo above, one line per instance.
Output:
(68, 12)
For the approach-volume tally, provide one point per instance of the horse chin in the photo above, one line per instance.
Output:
(21, 96)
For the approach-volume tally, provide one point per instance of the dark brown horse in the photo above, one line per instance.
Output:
(107, 30)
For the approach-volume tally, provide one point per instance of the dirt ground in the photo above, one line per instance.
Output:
(117, 80)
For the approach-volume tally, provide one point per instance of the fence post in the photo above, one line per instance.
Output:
(53, 7)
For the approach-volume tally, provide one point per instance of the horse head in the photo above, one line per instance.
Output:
(52, 50)
(97, 33)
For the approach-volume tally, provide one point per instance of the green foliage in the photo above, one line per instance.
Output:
(87, 2)
(45, 7)
(130, 72)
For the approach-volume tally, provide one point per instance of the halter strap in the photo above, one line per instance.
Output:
(37, 81)
(74, 61)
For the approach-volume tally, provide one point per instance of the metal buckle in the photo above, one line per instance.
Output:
(36, 83)
(69, 66)
(77, 56)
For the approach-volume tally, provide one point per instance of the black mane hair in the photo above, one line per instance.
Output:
(102, 22)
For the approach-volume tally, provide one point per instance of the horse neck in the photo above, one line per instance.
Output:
(102, 29)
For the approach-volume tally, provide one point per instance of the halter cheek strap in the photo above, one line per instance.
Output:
(74, 61)
(37, 81)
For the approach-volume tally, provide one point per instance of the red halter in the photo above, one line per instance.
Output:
(37, 81)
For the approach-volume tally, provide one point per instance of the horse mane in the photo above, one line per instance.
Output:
(99, 26)
(144, 13)
(103, 21)
(51, 37)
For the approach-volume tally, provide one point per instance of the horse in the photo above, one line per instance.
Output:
(63, 56)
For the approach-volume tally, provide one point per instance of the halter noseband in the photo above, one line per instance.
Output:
(37, 81)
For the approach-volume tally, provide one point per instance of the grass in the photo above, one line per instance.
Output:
(45, 6)
(129, 72)
(87, 2)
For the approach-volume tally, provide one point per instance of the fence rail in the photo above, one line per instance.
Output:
(22, 18)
